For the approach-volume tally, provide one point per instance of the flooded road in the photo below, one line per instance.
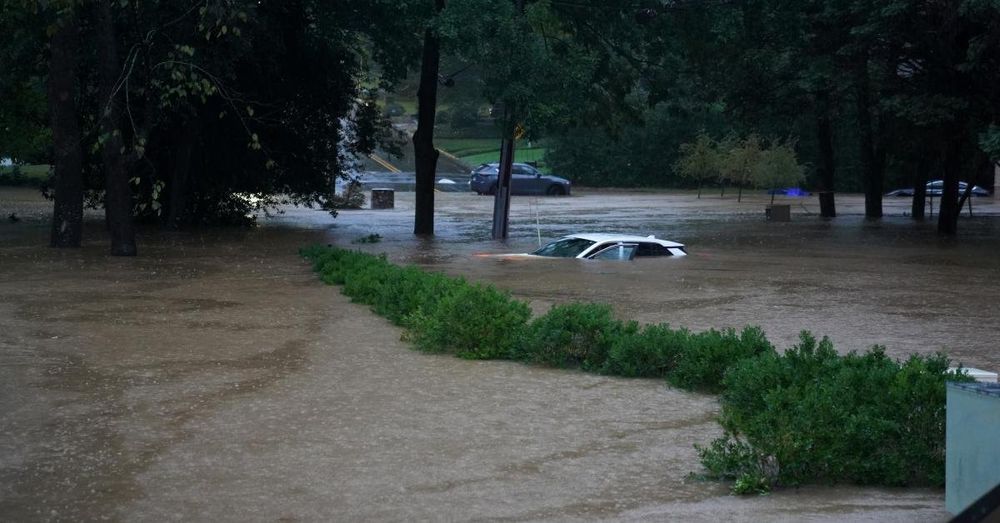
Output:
(891, 282)
(214, 378)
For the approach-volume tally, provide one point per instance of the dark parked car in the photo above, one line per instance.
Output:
(936, 188)
(525, 179)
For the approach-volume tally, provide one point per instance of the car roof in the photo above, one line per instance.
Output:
(497, 164)
(611, 237)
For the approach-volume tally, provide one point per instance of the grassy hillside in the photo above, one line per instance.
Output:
(475, 151)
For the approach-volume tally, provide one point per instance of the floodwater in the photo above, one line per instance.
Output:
(214, 378)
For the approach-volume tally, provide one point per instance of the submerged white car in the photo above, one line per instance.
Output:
(606, 247)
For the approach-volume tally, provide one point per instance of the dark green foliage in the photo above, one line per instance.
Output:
(708, 355)
(820, 416)
(573, 335)
(649, 352)
(471, 321)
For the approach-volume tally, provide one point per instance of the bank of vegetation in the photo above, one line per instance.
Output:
(806, 415)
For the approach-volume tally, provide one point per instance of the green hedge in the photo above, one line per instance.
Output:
(807, 415)
(812, 415)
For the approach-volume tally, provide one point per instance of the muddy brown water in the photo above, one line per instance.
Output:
(213, 377)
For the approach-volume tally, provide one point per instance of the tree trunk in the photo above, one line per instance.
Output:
(871, 164)
(424, 153)
(118, 195)
(179, 176)
(920, 188)
(948, 209)
(67, 212)
(827, 162)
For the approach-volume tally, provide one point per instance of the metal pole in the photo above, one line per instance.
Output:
(501, 202)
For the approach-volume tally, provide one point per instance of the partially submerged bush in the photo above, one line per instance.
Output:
(649, 352)
(820, 416)
(708, 355)
(572, 335)
(470, 321)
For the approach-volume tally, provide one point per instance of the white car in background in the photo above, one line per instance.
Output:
(603, 246)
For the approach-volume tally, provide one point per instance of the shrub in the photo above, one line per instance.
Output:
(650, 352)
(729, 458)
(819, 416)
(405, 291)
(706, 356)
(352, 197)
(572, 335)
(470, 321)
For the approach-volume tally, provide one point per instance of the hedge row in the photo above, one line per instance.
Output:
(807, 415)
(449, 315)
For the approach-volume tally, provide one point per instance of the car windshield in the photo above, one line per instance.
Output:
(564, 248)
(486, 169)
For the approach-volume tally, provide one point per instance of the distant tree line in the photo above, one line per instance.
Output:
(189, 113)
(876, 92)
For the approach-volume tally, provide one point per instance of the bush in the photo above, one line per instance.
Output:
(819, 416)
(706, 356)
(470, 321)
(573, 335)
(352, 197)
(651, 352)
(403, 292)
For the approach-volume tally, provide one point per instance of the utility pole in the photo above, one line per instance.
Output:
(501, 201)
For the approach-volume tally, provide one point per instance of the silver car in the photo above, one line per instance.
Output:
(525, 180)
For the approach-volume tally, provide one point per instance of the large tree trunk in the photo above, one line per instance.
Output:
(871, 157)
(424, 152)
(827, 163)
(117, 194)
(67, 213)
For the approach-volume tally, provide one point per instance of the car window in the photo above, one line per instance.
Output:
(621, 251)
(486, 169)
(652, 249)
(520, 169)
(565, 248)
